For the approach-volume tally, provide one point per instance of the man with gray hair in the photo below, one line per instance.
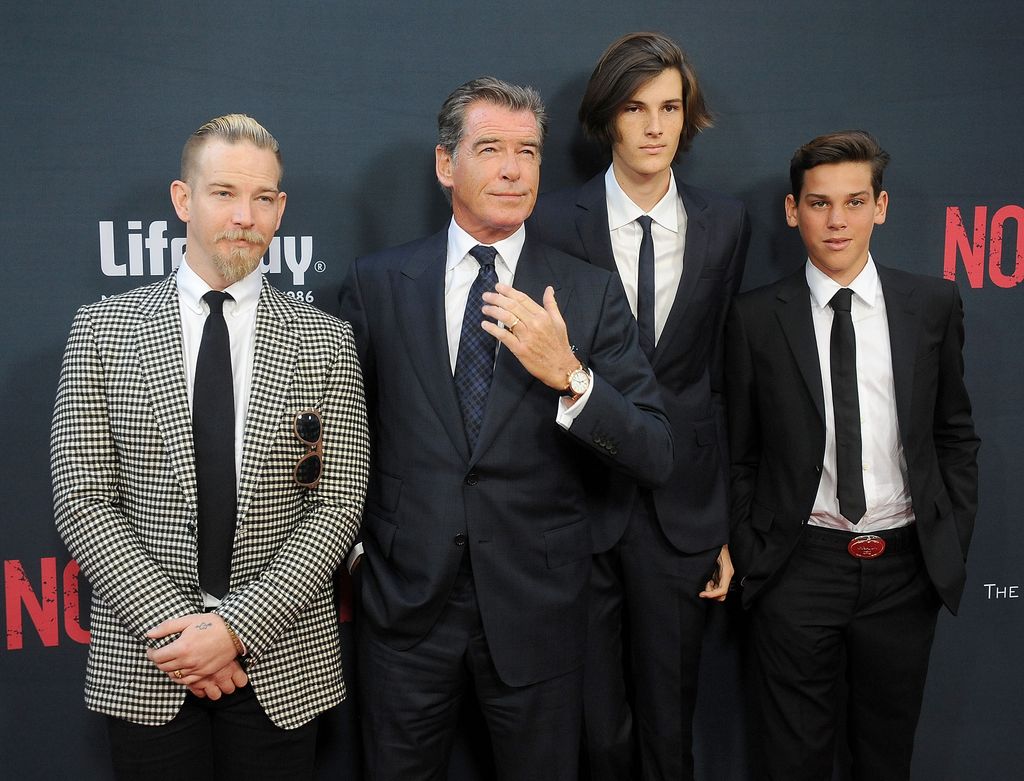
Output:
(499, 373)
(210, 457)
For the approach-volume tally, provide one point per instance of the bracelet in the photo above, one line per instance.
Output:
(239, 648)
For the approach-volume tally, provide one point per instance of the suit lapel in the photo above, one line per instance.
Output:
(162, 361)
(273, 371)
(511, 380)
(904, 324)
(694, 256)
(592, 224)
(420, 312)
(794, 314)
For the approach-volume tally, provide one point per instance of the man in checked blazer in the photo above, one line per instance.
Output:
(660, 556)
(195, 683)
(476, 530)
(853, 492)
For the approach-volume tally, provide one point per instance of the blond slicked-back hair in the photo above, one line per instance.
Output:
(232, 129)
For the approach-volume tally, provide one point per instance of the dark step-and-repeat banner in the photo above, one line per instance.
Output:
(98, 98)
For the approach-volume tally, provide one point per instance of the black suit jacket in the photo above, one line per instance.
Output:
(693, 506)
(518, 498)
(777, 423)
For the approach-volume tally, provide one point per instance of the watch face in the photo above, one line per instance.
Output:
(579, 381)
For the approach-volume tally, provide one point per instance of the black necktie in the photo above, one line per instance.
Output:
(213, 434)
(846, 405)
(645, 288)
(475, 362)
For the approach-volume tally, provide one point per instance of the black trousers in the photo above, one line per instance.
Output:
(410, 702)
(230, 738)
(831, 617)
(643, 654)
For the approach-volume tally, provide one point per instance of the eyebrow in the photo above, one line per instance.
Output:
(226, 186)
(494, 140)
(823, 197)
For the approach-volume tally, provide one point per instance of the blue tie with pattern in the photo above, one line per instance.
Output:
(475, 362)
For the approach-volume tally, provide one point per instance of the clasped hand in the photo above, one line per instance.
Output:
(202, 657)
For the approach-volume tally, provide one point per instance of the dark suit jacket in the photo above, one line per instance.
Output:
(124, 488)
(518, 499)
(693, 506)
(777, 423)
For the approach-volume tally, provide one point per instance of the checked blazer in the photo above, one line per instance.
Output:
(125, 499)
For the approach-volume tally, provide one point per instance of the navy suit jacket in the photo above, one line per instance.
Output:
(777, 423)
(518, 498)
(692, 507)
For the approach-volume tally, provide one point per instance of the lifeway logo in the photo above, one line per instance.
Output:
(151, 252)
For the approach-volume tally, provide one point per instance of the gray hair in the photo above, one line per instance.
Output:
(230, 128)
(451, 121)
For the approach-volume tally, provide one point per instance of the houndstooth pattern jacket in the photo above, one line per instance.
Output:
(125, 499)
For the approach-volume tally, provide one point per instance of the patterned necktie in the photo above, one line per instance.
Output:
(474, 365)
(213, 434)
(645, 288)
(846, 406)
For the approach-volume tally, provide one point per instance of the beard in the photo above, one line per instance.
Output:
(240, 261)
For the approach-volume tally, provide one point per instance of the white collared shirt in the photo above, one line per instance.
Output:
(886, 489)
(240, 316)
(668, 231)
(461, 270)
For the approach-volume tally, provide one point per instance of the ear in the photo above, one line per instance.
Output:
(791, 211)
(181, 193)
(881, 206)
(443, 166)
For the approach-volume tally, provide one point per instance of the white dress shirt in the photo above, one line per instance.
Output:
(668, 232)
(886, 489)
(240, 316)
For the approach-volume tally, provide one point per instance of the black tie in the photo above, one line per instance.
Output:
(846, 405)
(474, 364)
(213, 433)
(645, 288)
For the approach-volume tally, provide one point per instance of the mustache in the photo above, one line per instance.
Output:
(251, 236)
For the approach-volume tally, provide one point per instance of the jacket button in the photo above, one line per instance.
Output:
(460, 539)
(472, 478)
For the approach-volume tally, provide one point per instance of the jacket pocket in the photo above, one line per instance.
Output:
(567, 544)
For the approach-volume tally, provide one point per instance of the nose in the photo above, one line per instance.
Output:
(243, 213)
(654, 124)
(836, 217)
(510, 166)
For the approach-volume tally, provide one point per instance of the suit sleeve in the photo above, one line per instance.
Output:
(624, 420)
(744, 437)
(956, 443)
(87, 508)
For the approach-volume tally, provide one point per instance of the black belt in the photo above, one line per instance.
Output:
(863, 546)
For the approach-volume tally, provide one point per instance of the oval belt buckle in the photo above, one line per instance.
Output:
(866, 546)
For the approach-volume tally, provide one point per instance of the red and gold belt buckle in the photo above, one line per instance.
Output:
(866, 546)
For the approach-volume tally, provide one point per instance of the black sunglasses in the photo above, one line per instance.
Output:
(309, 428)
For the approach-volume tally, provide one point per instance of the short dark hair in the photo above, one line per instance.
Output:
(846, 146)
(230, 128)
(628, 64)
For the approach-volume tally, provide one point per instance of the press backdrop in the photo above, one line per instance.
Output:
(98, 98)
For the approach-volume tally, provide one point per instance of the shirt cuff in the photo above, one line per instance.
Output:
(353, 556)
(567, 412)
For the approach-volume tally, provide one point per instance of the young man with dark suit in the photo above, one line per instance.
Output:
(854, 475)
(660, 554)
(500, 373)
(210, 457)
